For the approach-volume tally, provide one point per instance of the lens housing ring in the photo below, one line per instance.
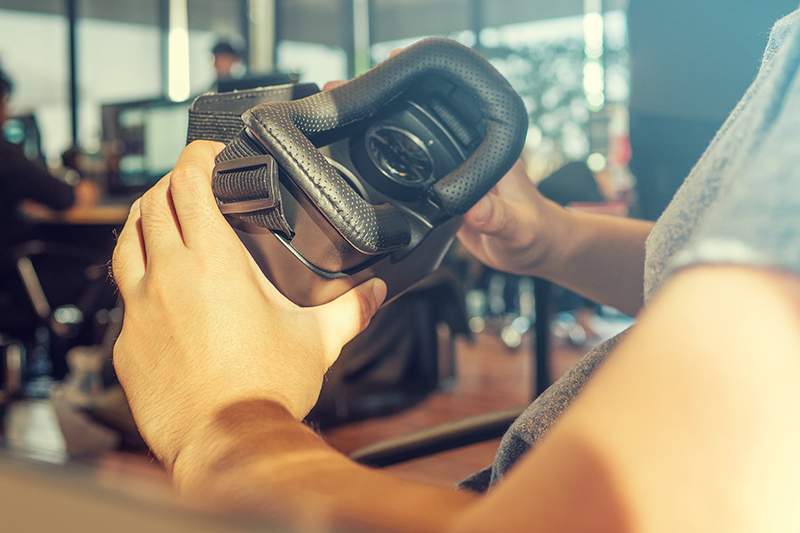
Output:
(399, 154)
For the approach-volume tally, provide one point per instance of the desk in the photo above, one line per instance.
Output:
(85, 215)
(94, 226)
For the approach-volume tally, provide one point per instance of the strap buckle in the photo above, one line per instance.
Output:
(243, 164)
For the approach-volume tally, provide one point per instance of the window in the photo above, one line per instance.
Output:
(314, 38)
(316, 63)
(117, 61)
(33, 51)
(546, 63)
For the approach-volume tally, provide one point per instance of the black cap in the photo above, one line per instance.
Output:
(225, 47)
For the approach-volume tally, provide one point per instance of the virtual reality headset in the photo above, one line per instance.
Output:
(329, 189)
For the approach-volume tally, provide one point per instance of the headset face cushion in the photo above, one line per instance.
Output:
(274, 163)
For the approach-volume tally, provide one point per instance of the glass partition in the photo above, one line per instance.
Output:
(117, 61)
(34, 54)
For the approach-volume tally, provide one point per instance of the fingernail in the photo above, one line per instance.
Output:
(379, 291)
(481, 210)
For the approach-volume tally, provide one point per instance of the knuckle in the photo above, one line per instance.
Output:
(186, 176)
(118, 355)
(193, 170)
(151, 198)
(498, 218)
(118, 268)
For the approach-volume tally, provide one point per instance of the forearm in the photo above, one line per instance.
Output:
(600, 257)
(713, 376)
(25, 180)
(255, 456)
(689, 426)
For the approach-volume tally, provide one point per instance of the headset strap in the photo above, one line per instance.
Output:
(244, 171)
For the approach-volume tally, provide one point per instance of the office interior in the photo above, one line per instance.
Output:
(101, 95)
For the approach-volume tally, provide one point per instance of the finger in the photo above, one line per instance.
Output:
(503, 226)
(332, 85)
(348, 315)
(190, 187)
(129, 260)
(486, 216)
(490, 216)
(517, 184)
(159, 225)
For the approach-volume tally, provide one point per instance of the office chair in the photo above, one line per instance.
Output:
(45, 309)
(474, 429)
(441, 438)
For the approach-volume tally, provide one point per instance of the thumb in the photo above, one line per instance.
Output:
(490, 216)
(350, 313)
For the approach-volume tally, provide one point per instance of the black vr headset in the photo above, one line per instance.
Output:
(328, 189)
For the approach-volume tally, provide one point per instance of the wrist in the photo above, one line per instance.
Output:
(548, 232)
(233, 439)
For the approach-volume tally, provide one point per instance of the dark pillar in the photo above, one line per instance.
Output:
(542, 290)
(72, 19)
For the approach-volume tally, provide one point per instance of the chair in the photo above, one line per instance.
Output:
(39, 309)
(441, 438)
(402, 356)
(474, 429)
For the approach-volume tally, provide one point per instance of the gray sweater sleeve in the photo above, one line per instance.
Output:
(755, 219)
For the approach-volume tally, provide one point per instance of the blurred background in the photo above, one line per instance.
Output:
(70, 58)
(623, 97)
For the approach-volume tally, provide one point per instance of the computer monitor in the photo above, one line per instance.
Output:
(23, 130)
(147, 137)
(254, 81)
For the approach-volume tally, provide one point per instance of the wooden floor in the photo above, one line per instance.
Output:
(490, 377)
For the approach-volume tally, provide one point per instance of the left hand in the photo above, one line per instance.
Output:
(512, 227)
(203, 327)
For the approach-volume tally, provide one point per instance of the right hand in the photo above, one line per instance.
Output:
(204, 329)
(504, 229)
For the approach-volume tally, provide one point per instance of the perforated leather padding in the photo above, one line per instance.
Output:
(218, 116)
(283, 128)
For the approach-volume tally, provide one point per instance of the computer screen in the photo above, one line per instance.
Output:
(147, 137)
(23, 130)
(253, 81)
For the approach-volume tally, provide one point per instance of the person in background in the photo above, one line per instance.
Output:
(227, 60)
(21, 179)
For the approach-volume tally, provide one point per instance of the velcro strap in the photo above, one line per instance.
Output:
(246, 179)
(220, 126)
(246, 185)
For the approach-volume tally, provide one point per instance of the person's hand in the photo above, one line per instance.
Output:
(504, 230)
(333, 84)
(203, 327)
